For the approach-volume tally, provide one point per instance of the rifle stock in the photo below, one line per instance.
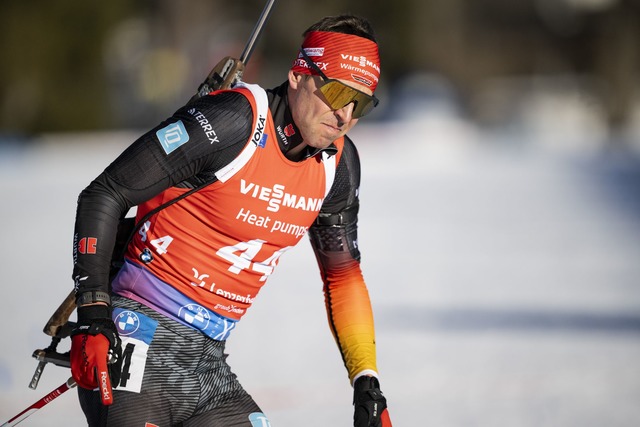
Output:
(229, 70)
(222, 76)
(61, 316)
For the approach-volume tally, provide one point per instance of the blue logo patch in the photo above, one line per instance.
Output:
(258, 419)
(195, 315)
(263, 141)
(135, 325)
(127, 322)
(172, 136)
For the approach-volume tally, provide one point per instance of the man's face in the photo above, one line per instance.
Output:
(317, 122)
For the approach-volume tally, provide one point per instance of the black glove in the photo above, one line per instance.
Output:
(370, 406)
(96, 351)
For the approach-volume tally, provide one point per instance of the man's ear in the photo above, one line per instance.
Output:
(294, 79)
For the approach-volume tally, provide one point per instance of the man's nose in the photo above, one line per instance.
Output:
(345, 114)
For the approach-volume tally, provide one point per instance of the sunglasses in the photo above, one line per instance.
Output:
(339, 95)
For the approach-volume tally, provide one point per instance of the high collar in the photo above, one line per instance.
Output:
(287, 132)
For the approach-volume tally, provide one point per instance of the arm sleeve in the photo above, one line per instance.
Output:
(334, 241)
(216, 128)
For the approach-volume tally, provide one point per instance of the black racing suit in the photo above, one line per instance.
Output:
(143, 170)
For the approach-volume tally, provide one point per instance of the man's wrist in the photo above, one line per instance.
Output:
(365, 373)
(92, 297)
(91, 312)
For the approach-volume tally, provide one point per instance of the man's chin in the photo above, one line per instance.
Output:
(328, 139)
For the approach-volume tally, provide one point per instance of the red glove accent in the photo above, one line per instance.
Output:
(89, 355)
(384, 419)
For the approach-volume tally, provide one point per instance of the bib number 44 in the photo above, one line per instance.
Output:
(242, 254)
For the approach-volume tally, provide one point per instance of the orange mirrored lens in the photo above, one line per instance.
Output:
(338, 95)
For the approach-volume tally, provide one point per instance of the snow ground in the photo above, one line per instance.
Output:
(504, 278)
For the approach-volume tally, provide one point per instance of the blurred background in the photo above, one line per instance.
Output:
(500, 219)
(127, 64)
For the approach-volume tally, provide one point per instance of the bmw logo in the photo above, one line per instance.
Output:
(127, 322)
(195, 315)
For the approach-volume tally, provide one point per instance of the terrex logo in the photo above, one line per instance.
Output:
(302, 63)
(205, 125)
(276, 196)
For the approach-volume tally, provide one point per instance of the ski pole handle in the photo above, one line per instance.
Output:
(35, 379)
(69, 384)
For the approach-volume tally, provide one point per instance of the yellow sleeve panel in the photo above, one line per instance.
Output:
(350, 315)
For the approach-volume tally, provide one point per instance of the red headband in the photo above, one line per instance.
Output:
(341, 56)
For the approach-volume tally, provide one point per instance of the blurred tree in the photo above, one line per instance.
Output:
(52, 72)
(73, 65)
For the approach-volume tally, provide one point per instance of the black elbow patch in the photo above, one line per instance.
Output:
(335, 239)
(328, 239)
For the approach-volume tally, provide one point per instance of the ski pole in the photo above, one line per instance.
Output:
(229, 70)
(70, 383)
